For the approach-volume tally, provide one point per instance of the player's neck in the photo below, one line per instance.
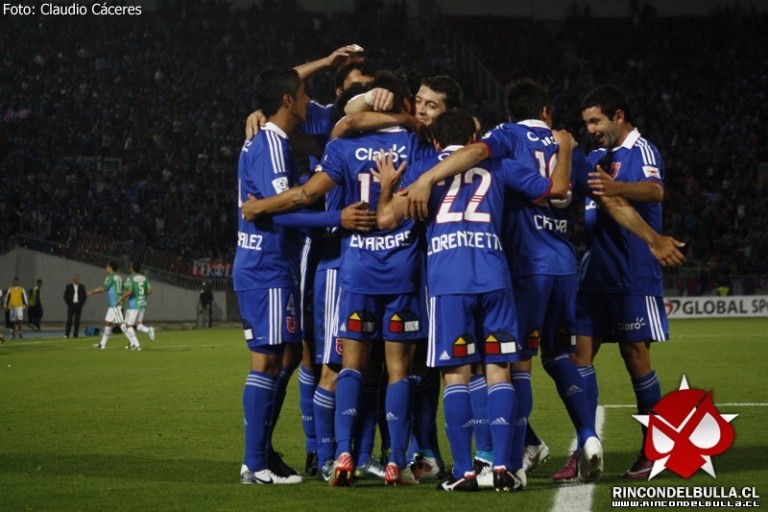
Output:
(285, 121)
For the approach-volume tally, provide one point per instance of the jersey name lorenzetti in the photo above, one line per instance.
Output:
(267, 254)
(617, 260)
(536, 235)
(464, 248)
(380, 262)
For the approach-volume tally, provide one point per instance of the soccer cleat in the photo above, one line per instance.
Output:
(393, 475)
(534, 455)
(151, 334)
(324, 473)
(484, 473)
(467, 483)
(570, 471)
(428, 468)
(591, 462)
(372, 469)
(98, 346)
(266, 477)
(505, 481)
(343, 469)
(310, 465)
(640, 470)
(276, 464)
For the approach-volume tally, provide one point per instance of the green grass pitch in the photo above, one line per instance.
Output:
(161, 429)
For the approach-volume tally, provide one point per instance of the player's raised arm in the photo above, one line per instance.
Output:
(561, 175)
(340, 56)
(369, 121)
(461, 160)
(391, 209)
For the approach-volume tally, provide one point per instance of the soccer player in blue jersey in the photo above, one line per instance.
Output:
(113, 288)
(381, 294)
(266, 263)
(470, 318)
(620, 297)
(310, 137)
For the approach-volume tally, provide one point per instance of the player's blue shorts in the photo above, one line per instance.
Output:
(270, 316)
(621, 318)
(399, 317)
(546, 313)
(327, 344)
(469, 329)
(310, 255)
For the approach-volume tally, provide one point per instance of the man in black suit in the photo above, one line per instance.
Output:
(74, 296)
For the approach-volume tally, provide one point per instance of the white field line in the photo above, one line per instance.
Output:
(578, 497)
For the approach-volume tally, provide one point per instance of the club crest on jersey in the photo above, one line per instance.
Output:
(403, 322)
(291, 324)
(498, 343)
(464, 346)
(338, 346)
(533, 340)
(360, 321)
(280, 184)
(564, 338)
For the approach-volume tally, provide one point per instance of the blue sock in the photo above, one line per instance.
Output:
(531, 438)
(426, 396)
(589, 379)
(398, 407)
(457, 406)
(573, 393)
(521, 380)
(348, 386)
(307, 385)
(647, 393)
(381, 419)
(258, 401)
(366, 430)
(502, 408)
(478, 393)
(325, 406)
(281, 389)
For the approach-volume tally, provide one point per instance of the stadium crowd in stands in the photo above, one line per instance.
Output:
(130, 127)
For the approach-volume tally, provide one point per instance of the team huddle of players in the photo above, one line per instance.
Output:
(443, 256)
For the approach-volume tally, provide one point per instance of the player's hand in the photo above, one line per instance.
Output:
(345, 55)
(387, 174)
(418, 198)
(602, 184)
(380, 99)
(255, 122)
(564, 139)
(667, 251)
(248, 208)
(357, 217)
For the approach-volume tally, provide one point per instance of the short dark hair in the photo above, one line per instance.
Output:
(113, 265)
(412, 77)
(395, 84)
(366, 67)
(454, 95)
(610, 99)
(136, 267)
(525, 99)
(272, 84)
(454, 127)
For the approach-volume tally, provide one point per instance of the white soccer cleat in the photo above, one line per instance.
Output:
(266, 477)
(591, 463)
(151, 334)
(534, 455)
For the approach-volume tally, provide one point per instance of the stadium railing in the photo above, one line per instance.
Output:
(98, 250)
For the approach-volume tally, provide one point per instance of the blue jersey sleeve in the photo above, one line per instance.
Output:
(333, 161)
(309, 219)
(523, 180)
(500, 142)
